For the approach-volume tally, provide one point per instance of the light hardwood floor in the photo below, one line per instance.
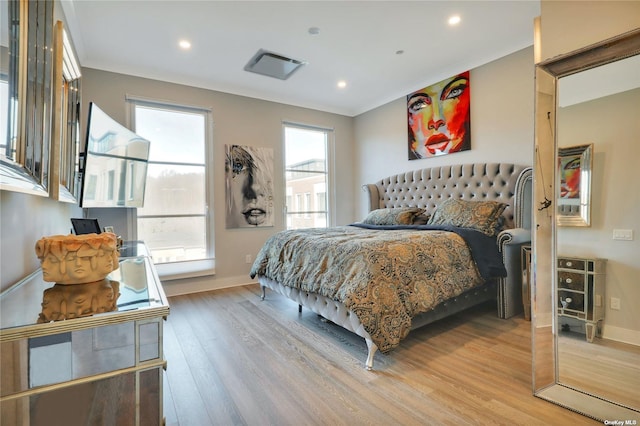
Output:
(236, 360)
(603, 367)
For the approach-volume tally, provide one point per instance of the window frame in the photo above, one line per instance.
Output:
(186, 268)
(330, 170)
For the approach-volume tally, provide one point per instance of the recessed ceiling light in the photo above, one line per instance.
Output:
(454, 20)
(314, 30)
(399, 52)
(342, 84)
(184, 44)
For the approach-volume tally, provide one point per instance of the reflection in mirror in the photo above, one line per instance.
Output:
(66, 121)
(115, 163)
(64, 302)
(587, 274)
(608, 271)
(24, 149)
(574, 185)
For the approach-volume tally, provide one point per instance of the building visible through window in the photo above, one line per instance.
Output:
(306, 176)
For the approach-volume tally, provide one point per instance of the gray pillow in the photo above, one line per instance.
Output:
(393, 216)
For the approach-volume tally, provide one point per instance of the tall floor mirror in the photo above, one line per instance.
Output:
(586, 247)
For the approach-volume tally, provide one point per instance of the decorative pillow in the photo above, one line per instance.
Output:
(483, 216)
(421, 219)
(393, 216)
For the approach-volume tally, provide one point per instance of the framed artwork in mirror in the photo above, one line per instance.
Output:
(574, 185)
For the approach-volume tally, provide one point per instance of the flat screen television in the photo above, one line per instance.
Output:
(85, 226)
(115, 163)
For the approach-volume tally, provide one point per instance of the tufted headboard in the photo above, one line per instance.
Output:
(426, 188)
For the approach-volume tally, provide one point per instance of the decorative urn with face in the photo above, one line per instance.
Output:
(77, 259)
(78, 265)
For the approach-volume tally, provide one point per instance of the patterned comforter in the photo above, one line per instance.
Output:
(384, 276)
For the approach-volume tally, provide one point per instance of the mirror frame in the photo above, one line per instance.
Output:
(66, 121)
(544, 288)
(576, 212)
(30, 83)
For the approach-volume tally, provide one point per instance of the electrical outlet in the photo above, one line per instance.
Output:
(247, 258)
(615, 303)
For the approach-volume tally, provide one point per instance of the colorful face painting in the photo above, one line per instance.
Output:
(570, 176)
(439, 118)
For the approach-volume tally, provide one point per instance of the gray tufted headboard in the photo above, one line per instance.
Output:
(426, 188)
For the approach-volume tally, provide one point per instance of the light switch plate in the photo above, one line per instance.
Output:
(615, 303)
(623, 234)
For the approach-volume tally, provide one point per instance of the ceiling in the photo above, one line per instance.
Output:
(357, 41)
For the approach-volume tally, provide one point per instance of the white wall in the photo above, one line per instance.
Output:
(570, 25)
(237, 120)
(26, 219)
(502, 130)
(502, 94)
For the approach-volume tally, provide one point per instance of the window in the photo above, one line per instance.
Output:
(307, 205)
(174, 222)
(306, 176)
(298, 206)
(110, 184)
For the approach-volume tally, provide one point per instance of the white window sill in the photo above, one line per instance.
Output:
(187, 269)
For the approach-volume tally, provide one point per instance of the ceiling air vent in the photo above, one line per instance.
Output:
(273, 65)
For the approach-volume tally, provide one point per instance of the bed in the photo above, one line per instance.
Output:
(436, 241)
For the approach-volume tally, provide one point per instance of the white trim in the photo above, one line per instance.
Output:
(164, 103)
(197, 268)
(198, 285)
(307, 126)
(619, 334)
(330, 162)
(187, 269)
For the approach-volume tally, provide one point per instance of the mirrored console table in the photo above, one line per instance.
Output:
(98, 363)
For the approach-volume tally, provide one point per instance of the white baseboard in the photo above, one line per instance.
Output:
(620, 334)
(544, 319)
(200, 284)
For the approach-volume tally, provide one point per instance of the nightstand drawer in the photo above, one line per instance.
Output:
(576, 264)
(570, 280)
(574, 303)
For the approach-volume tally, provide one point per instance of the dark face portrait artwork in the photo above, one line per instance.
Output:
(249, 186)
(439, 118)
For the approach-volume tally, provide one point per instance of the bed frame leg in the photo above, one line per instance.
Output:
(373, 348)
(299, 309)
(264, 292)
